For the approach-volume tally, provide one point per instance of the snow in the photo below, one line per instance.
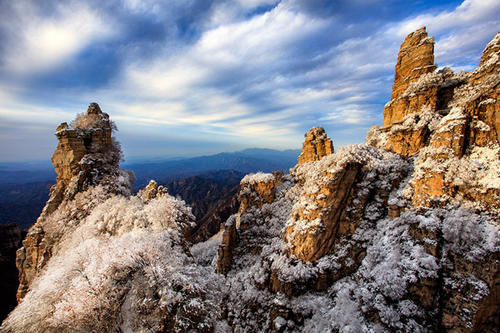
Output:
(259, 177)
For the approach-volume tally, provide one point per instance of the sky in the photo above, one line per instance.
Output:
(197, 77)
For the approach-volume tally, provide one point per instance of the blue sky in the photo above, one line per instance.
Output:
(193, 77)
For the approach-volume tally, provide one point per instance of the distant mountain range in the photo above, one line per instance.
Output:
(24, 186)
(245, 161)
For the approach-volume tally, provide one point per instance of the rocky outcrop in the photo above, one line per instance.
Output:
(256, 190)
(428, 189)
(318, 223)
(450, 122)
(226, 247)
(152, 191)
(415, 58)
(86, 156)
(316, 146)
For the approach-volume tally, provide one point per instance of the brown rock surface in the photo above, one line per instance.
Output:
(316, 146)
(85, 156)
(226, 247)
(444, 118)
(320, 238)
(415, 58)
(151, 191)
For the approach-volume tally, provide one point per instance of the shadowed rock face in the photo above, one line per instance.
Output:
(10, 241)
(86, 155)
(255, 191)
(316, 146)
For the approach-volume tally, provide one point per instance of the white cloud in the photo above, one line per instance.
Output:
(461, 31)
(242, 77)
(470, 12)
(40, 42)
(192, 77)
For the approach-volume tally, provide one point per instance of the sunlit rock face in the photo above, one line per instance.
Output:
(85, 156)
(316, 146)
(415, 58)
(455, 137)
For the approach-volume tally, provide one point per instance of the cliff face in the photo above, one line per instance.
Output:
(453, 135)
(384, 227)
(86, 156)
(415, 58)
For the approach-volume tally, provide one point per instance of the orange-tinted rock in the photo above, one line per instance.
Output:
(316, 146)
(407, 142)
(451, 133)
(258, 189)
(226, 247)
(323, 219)
(151, 191)
(85, 156)
(415, 58)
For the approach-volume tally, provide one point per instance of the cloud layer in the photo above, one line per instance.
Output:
(195, 77)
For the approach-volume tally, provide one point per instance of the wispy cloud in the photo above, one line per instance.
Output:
(217, 75)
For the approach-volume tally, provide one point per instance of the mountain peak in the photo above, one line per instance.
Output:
(316, 145)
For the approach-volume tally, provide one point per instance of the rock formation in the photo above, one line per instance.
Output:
(449, 134)
(416, 58)
(86, 156)
(316, 146)
(431, 174)
(256, 190)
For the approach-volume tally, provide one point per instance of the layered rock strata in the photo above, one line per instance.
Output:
(86, 156)
(316, 146)
(452, 137)
(415, 58)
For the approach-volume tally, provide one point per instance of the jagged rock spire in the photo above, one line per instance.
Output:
(415, 58)
(86, 156)
(316, 146)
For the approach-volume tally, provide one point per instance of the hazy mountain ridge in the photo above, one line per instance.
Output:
(250, 160)
(23, 203)
(23, 192)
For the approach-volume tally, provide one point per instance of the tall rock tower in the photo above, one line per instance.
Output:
(86, 156)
